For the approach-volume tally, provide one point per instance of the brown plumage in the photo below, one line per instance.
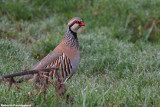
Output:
(65, 55)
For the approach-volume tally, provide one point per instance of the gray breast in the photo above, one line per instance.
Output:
(75, 64)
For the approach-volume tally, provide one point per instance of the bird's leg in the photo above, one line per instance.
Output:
(60, 88)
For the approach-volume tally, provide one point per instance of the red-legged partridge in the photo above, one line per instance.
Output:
(65, 55)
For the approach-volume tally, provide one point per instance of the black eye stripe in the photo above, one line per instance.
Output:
(76, 21)
(71, 24)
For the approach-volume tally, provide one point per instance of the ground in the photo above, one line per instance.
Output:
(120, 50)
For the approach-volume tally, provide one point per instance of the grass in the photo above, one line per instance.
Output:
(120, 52)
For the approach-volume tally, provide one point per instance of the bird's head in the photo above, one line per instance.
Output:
(75, 23)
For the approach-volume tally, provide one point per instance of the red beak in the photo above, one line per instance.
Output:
(82, 24)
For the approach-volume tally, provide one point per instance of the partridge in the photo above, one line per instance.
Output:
(65, 56)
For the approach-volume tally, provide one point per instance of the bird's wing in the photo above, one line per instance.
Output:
(41, 64)
(47, 60)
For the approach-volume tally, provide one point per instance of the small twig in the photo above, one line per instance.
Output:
(12, 81)
(26, 73)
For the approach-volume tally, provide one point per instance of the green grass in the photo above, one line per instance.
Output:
(120, 52)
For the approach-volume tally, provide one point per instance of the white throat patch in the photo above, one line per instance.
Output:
(75, 27)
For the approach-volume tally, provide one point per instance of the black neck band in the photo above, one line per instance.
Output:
(74, 33)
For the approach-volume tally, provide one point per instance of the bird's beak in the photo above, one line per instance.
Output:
(81, 24)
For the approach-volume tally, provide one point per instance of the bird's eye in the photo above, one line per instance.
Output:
(76, 21)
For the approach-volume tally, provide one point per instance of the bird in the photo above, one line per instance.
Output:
(65, 56)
